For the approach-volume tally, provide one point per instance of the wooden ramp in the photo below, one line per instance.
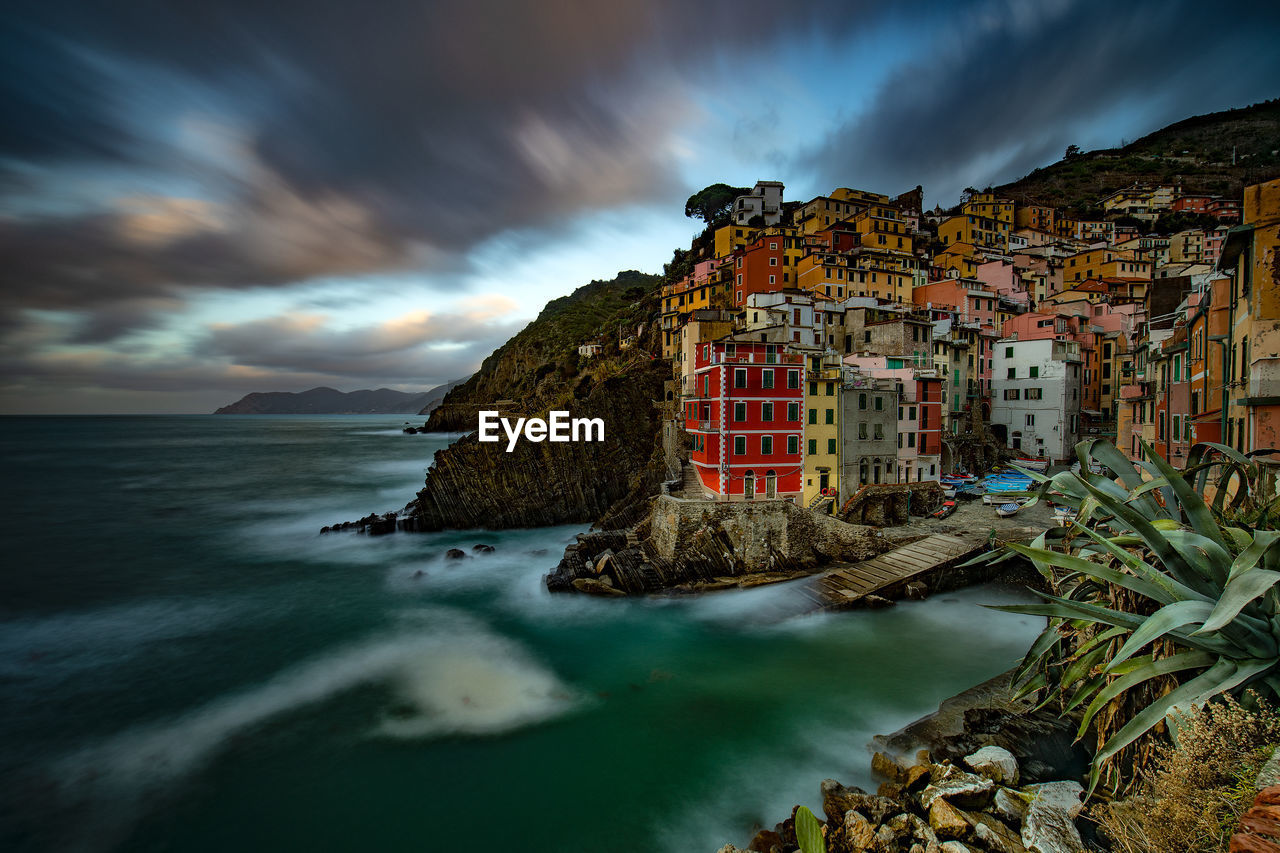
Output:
(847, 584)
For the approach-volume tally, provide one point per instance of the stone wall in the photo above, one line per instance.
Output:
(762, 535)
(890, 504)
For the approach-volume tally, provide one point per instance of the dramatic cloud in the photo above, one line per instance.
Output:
(1014, 83)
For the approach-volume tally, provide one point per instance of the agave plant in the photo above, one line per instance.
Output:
(809, 832)
(1163, 600)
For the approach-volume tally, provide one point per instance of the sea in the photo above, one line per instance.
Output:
(188, 664)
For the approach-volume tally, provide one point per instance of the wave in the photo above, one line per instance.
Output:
(447, 673)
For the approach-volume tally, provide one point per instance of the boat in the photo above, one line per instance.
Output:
(948, 493)
(1007, 510)
(1040, 465)
(945, 510)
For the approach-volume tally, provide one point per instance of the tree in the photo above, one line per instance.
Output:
(712, 204)
(1073, 151)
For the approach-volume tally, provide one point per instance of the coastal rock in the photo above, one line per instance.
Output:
(1010, 805)
(964, 790)
(837, 800)
(917, 777)
(996, 763)
(916, 590)
(592, 586)
(888, 767)
(1049, 825)
(952, 847)
(859, 833)
(993, 834)
(454, 554)
(766, 841)
(907, 825)
(482, 549)
(876, 601)
(885, 841)
(946, 820)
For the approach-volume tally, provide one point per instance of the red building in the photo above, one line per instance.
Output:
(929, 400)
(744, 419)
(1191, 203)
(760, 268)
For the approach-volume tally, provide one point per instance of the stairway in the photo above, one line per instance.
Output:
(690, 486)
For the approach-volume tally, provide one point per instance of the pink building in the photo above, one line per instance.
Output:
(968, 298)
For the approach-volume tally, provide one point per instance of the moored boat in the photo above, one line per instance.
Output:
(1007, 510)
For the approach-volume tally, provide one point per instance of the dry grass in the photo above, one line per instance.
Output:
(1196, 791)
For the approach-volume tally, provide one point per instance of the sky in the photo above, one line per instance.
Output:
(208, 198)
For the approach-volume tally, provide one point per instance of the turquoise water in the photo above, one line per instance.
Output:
(185, 664)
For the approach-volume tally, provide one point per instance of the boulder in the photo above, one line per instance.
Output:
(917, 590)
(946, 820)
(1010, 805)
(917, 777)
(885, 841)
(1049, 825)
(887, 766)
(993, 834)
(859, 833)
(837, 801)
(953, 847)
(876, 601)
(482, 549)
(766, 841)
(996, 763)
(907, 825)
(591, 586)
(454, 554)
(961, 789)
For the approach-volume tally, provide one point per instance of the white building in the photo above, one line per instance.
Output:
(1035, 396)
(764, 200)
(792, 309)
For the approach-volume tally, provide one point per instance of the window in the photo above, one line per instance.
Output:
(793, 445)
(831, 416)
(739, 411)
(899, 441)
(831, 446)
(813, 416)
(831, 388)
(793, 411)
(911, 413)
(813, 389)
(766, 379)
(766, 411)
(1008, 352)
(766, 445)
(793, 379)
(1034, 394)
(813, 447)
(1035, 372)
(862, 431)
(739, 445)
(911, 439)
(878, 431)
(879, 401)
(1013, 373)
(1031, 420)
(1177, 377)
(1011, 393)
(739, 378)
(862, 402)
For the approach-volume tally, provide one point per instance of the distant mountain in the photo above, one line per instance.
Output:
(327, 401)
(1218, 153)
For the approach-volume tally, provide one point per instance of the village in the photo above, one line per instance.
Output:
(856, 340)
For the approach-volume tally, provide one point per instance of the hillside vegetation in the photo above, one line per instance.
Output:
(1195, 153)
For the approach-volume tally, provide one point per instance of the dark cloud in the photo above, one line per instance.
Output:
(1013, 84)
(361, 138)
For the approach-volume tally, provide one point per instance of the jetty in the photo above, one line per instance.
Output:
(926, 561)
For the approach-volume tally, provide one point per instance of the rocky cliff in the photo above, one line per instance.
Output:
(481, 484)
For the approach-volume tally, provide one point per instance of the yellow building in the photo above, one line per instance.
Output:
(1036, 217)
(821, 427)
(987, 206)
(1104, 262)
(1187, 247)
(957, 257)
(980, 231)
(861, 197)
(731, 237)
